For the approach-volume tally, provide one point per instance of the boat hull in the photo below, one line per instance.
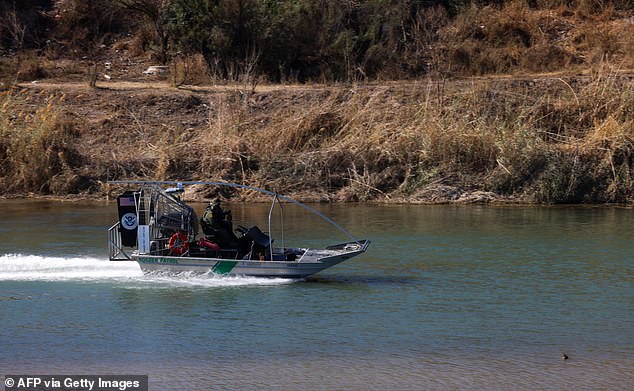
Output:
(313, 262)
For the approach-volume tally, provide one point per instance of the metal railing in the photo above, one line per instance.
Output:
(115, 248)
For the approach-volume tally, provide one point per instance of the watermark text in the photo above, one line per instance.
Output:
(76, 383)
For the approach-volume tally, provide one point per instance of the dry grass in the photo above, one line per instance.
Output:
(542, 141)
(190, 70)
(546, 140)
(514, 39)
(37, 148)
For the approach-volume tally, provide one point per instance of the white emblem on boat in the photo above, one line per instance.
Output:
(128, 221)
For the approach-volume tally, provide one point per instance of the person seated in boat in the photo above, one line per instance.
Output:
(214, 215)
(220, 219)
(217, 224)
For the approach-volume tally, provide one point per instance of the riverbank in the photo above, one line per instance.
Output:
(532, 139)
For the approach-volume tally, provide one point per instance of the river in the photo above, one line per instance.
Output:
(447, 297)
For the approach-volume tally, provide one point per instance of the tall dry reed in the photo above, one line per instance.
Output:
(37, 145)
(552, 140)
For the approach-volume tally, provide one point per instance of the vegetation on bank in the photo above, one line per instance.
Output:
(429, 141)
(410, 106)
(314, 40)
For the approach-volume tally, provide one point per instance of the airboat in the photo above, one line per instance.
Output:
(161, 233)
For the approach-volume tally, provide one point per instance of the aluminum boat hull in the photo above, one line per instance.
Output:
(313, 261)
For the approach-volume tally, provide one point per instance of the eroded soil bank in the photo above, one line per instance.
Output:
(546, 139)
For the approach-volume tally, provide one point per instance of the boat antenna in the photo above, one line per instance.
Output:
(238, 185)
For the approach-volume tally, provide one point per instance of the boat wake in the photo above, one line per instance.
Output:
(19, 267)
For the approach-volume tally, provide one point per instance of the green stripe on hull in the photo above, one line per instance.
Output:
(224, 267)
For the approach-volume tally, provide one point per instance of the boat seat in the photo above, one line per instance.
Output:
(254, 234)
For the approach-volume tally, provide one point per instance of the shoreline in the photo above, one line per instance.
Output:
(515, 140)
(502, 203)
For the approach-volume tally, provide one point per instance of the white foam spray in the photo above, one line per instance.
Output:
(19, 267)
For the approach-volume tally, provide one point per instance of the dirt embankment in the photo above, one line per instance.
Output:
(546, 139)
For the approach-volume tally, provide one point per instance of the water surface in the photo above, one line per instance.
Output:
(446, 298)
